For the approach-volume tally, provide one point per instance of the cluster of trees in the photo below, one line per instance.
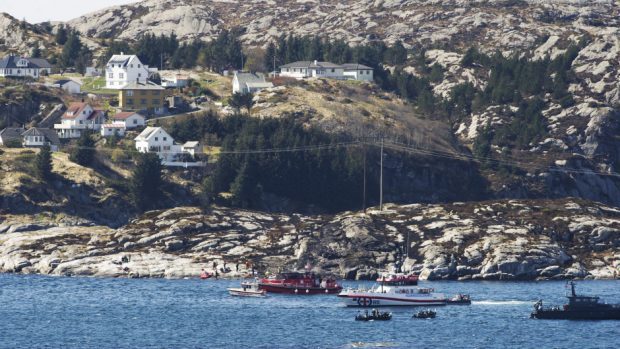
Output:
(222, 53)
(515, 81)
(74, 52)
(146, 181)
(328, 178)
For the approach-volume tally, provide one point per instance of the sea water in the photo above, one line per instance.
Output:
(61, 312)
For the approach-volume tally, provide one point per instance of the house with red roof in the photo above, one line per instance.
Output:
(77, 118)
(129, 119)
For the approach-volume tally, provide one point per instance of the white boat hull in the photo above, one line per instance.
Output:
(372, 299)
(239, 292)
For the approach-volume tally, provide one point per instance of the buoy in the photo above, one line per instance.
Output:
(326, 291)
(296, 291)
(307, 291)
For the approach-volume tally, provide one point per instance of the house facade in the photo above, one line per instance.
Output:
(123, 69)
(16, 66)
(109, 130)
(38, 137)
(77, 118)
(70, 86)
(177, 80)
(360, 72)
(249, 82)
(157, 140)
(129, 119)
(327, 70)
(147, 97)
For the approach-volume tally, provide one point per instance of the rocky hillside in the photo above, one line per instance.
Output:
(580, 137)
(496, 240)
(20, 37)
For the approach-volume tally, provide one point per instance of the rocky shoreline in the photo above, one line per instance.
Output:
(495, 240)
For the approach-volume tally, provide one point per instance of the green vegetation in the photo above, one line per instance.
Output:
(222, 53)
(242, 100)
(146, 181)
(43, 164)
(84, 151)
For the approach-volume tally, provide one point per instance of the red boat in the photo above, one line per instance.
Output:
(398, 279)
(299, 283)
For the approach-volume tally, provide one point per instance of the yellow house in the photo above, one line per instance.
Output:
(140, 96)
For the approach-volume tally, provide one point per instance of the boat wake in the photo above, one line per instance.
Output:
(491, 302)
(373, 345)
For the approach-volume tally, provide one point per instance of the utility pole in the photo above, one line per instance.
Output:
(381, 180)
(364, 196)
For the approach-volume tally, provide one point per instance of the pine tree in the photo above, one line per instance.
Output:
(43, 163)
(270, 57)
(36, 51)
(61, 35)
(146, 181)
(84, 152)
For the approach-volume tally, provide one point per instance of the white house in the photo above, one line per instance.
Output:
(328, 70)
(157, 140)
(15, 66)
(192, 148)
(78, 117)
(178, 80)
(71, 86)
(312, 69)
(354, 71)
(108, 130)
(123, 69)
(249, 82)
(38, 137)
(129, 119)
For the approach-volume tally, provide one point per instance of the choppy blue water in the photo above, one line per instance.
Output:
(48, 312)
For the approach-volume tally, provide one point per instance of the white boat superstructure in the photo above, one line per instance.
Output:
(247, 290)
(382, 295)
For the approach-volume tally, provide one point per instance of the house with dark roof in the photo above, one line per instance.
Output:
(356, 71)
(68, 85)
(249, 82)
(316, 69)
(38, 137)
(17, 66)
(11, 136)
(77, 118)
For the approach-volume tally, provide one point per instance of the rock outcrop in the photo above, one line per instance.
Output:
(496, 240)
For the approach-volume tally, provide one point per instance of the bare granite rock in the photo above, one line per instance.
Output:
(498, 240)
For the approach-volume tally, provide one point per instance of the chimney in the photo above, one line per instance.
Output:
(122, 53)
(315, 62)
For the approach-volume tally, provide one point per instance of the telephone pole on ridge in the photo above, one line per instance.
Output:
(381, 180)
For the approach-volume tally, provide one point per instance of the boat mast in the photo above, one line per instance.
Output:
(381, 180)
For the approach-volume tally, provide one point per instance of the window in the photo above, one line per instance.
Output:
(143, 92)
(155, 102)
(156, 93)
(111, 75)
(130, 102)
(165, 139)
(121, 75)
(156, 139)
(135, 122)
(139, 75)
(81, 122)
(129, 93)
(138, 65)
(131, 65)
(333, 70)
(143, 101)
